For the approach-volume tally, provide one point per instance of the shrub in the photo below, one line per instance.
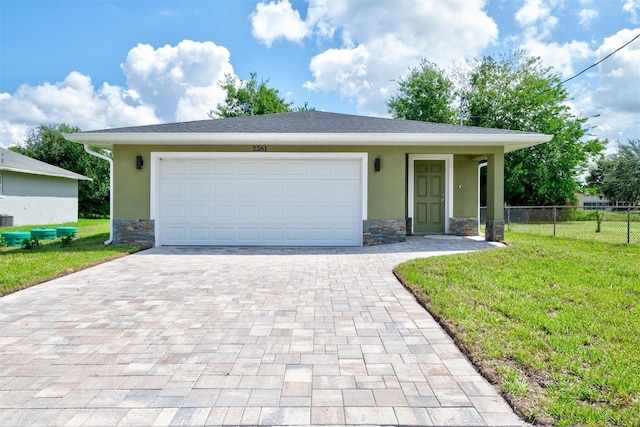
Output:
(30, 243)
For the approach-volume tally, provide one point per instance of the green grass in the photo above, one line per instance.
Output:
(610, 231)
(20, 268)
(613, 228)
(555, 322)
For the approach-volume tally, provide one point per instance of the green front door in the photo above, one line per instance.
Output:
(429, 197)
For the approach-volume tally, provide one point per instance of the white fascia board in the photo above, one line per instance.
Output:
(108, 139)
(55, 175)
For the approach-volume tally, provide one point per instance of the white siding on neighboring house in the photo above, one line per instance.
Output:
(38, 199)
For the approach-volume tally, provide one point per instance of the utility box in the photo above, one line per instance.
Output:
(6, 220)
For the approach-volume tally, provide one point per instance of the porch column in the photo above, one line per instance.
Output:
(494, 228)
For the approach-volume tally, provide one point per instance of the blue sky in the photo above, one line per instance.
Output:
(108, 63)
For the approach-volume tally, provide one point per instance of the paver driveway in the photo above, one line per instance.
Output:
(266, 336)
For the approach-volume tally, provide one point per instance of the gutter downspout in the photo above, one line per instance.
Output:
(110, 160)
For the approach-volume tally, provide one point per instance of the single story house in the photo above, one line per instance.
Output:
(589, 201)
(306, 178)
(34, 192)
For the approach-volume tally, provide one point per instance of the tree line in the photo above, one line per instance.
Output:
(512, 91)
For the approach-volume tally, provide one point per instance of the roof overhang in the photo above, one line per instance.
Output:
(510, 142)
(32, 172)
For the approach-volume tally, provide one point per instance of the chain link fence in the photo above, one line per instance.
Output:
(614, 224)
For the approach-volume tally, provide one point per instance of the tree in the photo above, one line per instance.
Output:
(516, 92)
(512, 92)
(618, 176)
(426, 94)
(249, 98)
(47, 144)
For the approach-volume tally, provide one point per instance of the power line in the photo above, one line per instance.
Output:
(594, 64)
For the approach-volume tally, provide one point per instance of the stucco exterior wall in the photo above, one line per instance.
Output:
(37, 199)
(387, 189)
(465, 186)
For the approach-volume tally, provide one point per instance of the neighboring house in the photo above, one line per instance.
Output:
(37, 193)
(588, 201)
(307, 178)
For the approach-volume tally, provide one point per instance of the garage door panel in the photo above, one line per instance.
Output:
(246, 190)
(176, 234)
(345, 212)
(273, 168)
(199, 189)
(322, 234)
(222, 191)
(273, 189)
(174, 212)
(200, 167)
(345, 169)
(223, 234)
(273, 234)
(272, 213)
(302, 202)
(297, 169)
(175, 190)
(248, 234)
(223, 167)
(247, 212)
(198, 212)
(172, 168)
(223, 213)
(294, 212)
(248, 168)
(199, 235)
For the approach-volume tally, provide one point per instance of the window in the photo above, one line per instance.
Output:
(1, 193)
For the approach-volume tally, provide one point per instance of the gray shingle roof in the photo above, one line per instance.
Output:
(11, 161)
(308, 122)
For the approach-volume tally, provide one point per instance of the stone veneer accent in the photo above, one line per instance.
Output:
(494, 231)
(382, 231)
(138, 231)
(463, 226)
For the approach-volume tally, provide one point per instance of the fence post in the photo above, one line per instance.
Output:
(629, 224)
(554, 221)
(509, 218)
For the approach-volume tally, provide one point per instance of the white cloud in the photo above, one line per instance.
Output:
(632, 7)
(586, 16)
(171, 83)
(381, 41)
(74, 101)
(344, 70)
(537, 19)
(619, 75)
(531, 12)
(181, 81)
(616, 99)
(560, 56)
(277, 20)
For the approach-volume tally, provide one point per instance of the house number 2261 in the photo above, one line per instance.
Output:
(262, 148)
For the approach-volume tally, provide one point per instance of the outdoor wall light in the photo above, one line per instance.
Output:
(376, 164)
(139, 162)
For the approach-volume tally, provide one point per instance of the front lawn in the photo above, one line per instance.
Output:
(21, 268)
(555, 322)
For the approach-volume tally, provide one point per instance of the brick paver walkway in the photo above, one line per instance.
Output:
(256, 336)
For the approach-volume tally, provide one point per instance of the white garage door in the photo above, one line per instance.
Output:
(260, 201)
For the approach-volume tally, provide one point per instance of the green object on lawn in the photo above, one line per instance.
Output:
(43, 233)
(15, 238)
(66, 231)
